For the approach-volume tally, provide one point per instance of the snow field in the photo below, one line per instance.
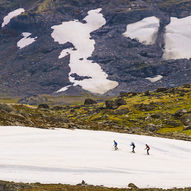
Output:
(177, 35)
(79, 35)
(26, 40)
(154, 79)
(145, 30)
(70, 156)
(11, 15)
(178, 39)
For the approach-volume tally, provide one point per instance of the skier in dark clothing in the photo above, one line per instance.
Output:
(133, 147)
(147, 148)
(115, 145)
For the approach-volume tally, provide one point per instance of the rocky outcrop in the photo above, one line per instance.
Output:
(43, 106)
(114, 104)
(186, 120)
(180, 113)
(145, 107)
(89, 101)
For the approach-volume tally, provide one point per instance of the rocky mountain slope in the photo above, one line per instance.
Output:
(128, 63)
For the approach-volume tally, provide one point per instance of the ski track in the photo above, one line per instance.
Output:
(70, 156)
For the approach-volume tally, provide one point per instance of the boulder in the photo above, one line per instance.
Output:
(157, 115)
(180, 113)
(5, 107)
(89, 101)
(43, 106)
(173, 123)
(109, 104)
(133, 186)
(145, 107)
(122, 111)
(187, 128)
(114, 104)
(127, 94)
(152, 127)
(120, 101)
(147, 93)
(186, 120)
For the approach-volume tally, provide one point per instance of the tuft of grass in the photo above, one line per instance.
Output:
(45, 6)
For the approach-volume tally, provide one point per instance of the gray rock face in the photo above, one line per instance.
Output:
(186, 120)
(36, 69)
(89, 101)
(180, 113)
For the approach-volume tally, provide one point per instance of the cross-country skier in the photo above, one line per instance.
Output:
(115, 145)
(147, 148)
(133, 147)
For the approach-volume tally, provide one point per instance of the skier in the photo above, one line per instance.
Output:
(115, 145)
(133, 147)
(147, 148)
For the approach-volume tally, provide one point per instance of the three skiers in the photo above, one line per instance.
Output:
(132, 145)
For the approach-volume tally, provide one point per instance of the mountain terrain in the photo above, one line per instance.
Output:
(164, 113)
(39, 56)
(11, 186)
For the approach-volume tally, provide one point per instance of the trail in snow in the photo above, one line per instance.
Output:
(70, 156)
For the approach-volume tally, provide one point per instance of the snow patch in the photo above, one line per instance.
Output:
(79, 35)
(63, 89)
(145, 30)
(65, 53)
(26, 40)
(178, 39)
(11, 15)
(154, 79)
(70, 156)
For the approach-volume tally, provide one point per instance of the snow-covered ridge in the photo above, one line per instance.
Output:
(26, 40)
(145, 30)
(178, 39)
(79, 35)
(11, 15)
(70, 156)
(154, 79)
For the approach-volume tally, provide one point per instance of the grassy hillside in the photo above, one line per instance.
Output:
(10, 186)
(164, 112)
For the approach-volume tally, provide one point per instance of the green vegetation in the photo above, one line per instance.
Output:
(10, 186)
(164, 112)
(44, 6)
